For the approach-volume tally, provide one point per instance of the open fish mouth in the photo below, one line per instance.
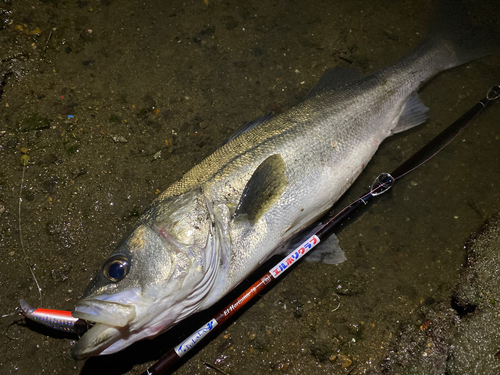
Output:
(105, 312)
(112, 315)
(95, 341)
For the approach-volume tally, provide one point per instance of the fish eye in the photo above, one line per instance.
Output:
(116, 268)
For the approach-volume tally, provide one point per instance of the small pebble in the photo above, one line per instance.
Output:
(283, 367)
(25, 160)
(119, 139)
(157, 155)
(345, 361)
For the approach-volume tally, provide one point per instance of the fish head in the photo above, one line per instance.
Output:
(161, 272)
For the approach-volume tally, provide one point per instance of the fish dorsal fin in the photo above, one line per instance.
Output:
(248, 126)
(332, 78)
(264, 187)
(414, 113)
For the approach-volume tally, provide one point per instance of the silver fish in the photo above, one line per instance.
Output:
(228, 214)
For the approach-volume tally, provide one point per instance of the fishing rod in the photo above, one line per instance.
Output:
(57, 318)
(381, 184)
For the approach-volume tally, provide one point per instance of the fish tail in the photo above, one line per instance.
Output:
(454, 31)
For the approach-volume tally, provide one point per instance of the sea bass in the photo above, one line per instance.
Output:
(228, 214)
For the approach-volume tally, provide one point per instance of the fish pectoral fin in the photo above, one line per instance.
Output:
(328, 252)
(414, 113)
(332, 78)
(263, 189)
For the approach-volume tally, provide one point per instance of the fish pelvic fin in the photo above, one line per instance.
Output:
(327, 252)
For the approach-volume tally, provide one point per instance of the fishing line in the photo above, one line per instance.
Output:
(21, 238)
(9, 335)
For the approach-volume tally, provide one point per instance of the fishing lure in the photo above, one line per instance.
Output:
(56, 319)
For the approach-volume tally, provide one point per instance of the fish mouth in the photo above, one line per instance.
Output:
(105, 312)
(112, 315)
(95, 341)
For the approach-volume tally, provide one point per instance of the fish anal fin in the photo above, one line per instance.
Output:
(414, 113)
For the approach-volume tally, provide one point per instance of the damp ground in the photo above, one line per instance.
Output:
(112, 101)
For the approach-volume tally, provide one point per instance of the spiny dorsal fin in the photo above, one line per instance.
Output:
(247, 127)
(264, 187)
(332, 78)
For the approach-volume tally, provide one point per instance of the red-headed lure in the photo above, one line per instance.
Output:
(55, 319)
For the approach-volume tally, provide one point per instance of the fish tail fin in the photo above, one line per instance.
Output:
(453, 30)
